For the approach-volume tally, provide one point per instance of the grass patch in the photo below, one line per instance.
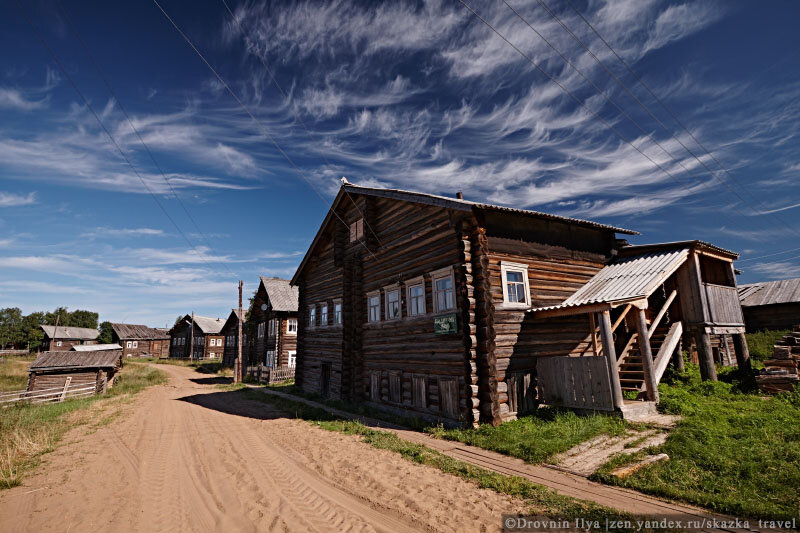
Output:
(538, 437)
(734, 451)
(761, 343)
(542, 501)
(14, 372)
(28, 431)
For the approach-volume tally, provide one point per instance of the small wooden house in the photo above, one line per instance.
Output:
(273, 323)
(74, 371)
(66, 337)
(209, 343)
(230, 330)
(771, 304)
(141, 341)
(469, 312)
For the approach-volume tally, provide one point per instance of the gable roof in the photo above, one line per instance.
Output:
(95, 347)
(233, 317)
(282, 295)
(64, 360)
(770, 292)
(137, 331)
(637, 249)
(625, 279)
(456, 204)
(68, 332)
(207, 324)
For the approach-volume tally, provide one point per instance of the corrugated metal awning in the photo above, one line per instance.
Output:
(627, 279)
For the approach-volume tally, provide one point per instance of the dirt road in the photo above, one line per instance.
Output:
(190, 457)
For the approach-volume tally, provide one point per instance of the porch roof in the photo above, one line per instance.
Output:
(625, 280)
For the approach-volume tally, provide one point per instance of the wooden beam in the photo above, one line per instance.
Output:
(661, 313)
(567, 311)
(607, 337)
(742, 351)
(705, 355)
(621, 317)
(592, 321)
(651, 386)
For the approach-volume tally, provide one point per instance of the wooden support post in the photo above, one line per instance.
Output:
(237, 373)
(677, 358)
(742, 351)
(643, 338)
(595, 348)
(705, 355)
(191, 341)
(66, 389)
(607, 337)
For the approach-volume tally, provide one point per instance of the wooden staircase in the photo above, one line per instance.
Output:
(663, 342)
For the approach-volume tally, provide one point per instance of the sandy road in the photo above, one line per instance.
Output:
(190, 457)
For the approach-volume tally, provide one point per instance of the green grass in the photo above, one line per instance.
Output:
(540, 499)
(735, 451)
(761, 343)
(28, 431)
(14, 372)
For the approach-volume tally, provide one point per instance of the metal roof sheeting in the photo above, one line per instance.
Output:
(68, 332)
(626, 279)
(770, 292)
(95, 347)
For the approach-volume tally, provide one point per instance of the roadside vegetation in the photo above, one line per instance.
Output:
(761, 343)
(28, 431)
(14, 372)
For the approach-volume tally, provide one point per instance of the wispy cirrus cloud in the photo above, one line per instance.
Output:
(10, 199)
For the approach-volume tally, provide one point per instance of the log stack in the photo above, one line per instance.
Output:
(781, 372)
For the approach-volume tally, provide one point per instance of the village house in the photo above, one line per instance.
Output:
(272, 324)
(771, 304)
(230, 330)
(468, 312)
(209, 343)
(141, 341)
(66, 337)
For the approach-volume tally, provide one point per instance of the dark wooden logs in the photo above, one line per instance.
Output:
(607, 336)
(643, 339)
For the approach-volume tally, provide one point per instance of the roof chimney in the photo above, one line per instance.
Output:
(460, 195)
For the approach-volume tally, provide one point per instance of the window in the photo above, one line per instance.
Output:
(516, 291)
(212, 355)
(128, 344)
(443, 290)
(323, 315)
(212, 342)
(135, 344)
(291, 326)
(58, 343)
(261, 330)
(415, 297)
(292, 358)
(337, 313)
(419, 394)
(392, 303)
(269, 360)
(272, 327)
(374, 306)
(312, 316)
(357, 230)
(448, 397)
(395, 387)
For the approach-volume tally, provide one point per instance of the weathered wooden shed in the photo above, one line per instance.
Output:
(204, 331)
(771, 304)
(74, 372)
(141, 341)
(444, 307)
(65, 337)
(272, 324)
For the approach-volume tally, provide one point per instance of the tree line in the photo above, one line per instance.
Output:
(23, 332)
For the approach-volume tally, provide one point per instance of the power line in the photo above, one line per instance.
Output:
(133, 126)
(107, 132)
(254, 119)
(294, 112)
(664, 106)
(772, 255)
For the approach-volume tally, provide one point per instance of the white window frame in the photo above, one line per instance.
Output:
(312, 316)
(291, 326)
(323, 314)
(273, 357)
(272, 327)
(58, 343)
(370, 295)
(212, 355)
(261, 327)
(410, 284)
(135, 344)
(129, 344)
(505, 267)
(337, 315)
(386, 292)
(357, 230)
(292, 358)
(443, 273)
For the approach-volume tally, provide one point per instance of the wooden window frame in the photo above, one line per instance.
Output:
(312, 316)
(357, 230)
(323, 314)
(267, 358)
(371, 295)
(443, 273)
(410, 284)
(505, 267)
(272, 329)
(261, 330)
(292, 358)
(289, 322)
(338, 318)
(395, 287)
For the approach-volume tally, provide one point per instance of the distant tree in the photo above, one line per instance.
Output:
(32, 333)
(83, 319)
(178, 320)
(60, 315)
(11, 327)
(105, 333)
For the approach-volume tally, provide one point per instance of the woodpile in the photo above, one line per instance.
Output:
(780, 373)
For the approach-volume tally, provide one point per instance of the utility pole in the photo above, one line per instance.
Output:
(191, 343)
(55, 332)
(237, 372)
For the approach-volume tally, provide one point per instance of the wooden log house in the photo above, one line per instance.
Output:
(272, 324)
(75, 369)
(141, 341)
(209, 343)
(771, 304)
(444, 307)
(230, 330)
(66, 337)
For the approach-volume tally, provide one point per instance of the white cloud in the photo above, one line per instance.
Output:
(10, 199)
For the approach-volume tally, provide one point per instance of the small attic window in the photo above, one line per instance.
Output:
(357, 230)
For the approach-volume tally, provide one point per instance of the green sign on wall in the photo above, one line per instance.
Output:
(445, 324)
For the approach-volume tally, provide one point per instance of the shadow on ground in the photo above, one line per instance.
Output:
(218, 380)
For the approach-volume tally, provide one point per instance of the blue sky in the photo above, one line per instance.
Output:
(416, 95)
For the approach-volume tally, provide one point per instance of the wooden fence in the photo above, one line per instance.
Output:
(13, 352)
(55, 394)
(576, 382)
(267, 375)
